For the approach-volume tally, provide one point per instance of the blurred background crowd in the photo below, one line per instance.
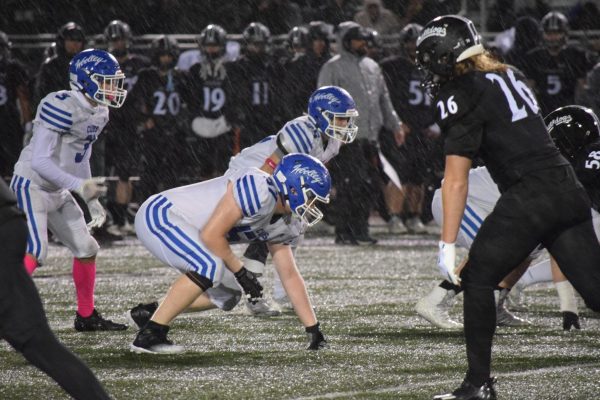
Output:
(208, 78)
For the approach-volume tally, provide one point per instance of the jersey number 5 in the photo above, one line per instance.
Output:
(518, 112)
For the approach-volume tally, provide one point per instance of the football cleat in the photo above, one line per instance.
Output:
(570, 320)
(154, 340)
(415, 226)
(467, 391)
(141, 314)
(396, 226)
(262, 308)
(95, 322)
(435, 306)
(503, 316)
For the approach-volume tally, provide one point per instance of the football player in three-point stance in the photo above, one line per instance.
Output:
(191, 228)
(56, 162)
(486, 110)
(329, 124)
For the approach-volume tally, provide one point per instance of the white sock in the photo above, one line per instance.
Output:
(566, 294)
(537, 273)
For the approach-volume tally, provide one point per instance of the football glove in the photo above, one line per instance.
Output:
(252, 287)
(97, 214)
(447, 261)
(316, 338)
(570, 320)
(92, 188)
(87, 215)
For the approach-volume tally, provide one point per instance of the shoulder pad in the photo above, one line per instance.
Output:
(296, 137)
(57, 111)
(254, 193)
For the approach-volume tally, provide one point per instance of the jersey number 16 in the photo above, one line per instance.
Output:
(518, 111)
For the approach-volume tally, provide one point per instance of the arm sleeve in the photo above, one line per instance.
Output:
(41, 162)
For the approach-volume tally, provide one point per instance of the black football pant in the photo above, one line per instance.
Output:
(544, 207)
(23, 323)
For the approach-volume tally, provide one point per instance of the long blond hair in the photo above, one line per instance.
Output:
(484, 62)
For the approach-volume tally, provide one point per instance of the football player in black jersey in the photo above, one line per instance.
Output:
(15, 107)
(23, 323)
(556, 70)
(157, 97)
(485, 110)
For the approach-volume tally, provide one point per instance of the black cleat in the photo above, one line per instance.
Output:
(153, 339)
(141, 314)
(570, 320)
(467, 391)
(95, 322)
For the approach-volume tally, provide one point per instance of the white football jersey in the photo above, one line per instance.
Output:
(483, 191)
(255, 193)
(299, 135)
(78, 125)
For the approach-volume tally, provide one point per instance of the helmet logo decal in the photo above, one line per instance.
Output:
(91, 58)
(311, 173)
(565, 119)
(432, 31)
(326, 96)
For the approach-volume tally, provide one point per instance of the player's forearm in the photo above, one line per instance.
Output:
(454, 197)
(219, 246)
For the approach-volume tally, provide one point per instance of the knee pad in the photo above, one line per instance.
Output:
(203, 282)
(87, 248)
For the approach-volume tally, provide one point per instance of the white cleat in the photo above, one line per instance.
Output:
(262, 308)
(396, 226)
(435, 306)
(415, 226)
(503, 316)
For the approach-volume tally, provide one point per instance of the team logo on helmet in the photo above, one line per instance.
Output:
(310, 173)
(565, 119)
(439, 31)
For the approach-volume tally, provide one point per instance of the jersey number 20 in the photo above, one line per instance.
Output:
(518, 111)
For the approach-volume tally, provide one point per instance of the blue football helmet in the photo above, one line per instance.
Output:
(98, 75)
(303, 181)
(333, 111)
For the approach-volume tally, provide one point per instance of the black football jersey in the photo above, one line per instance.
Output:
(12, 75)
(555, 77)
(159, 97)
(204, 92)
(495, 116)
(587, 167)
(411, 101)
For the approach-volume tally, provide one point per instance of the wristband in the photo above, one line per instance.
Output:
(271, 163)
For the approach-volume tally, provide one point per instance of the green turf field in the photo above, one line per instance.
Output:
(379, 348)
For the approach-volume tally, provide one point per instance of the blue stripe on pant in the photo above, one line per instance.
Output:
(176, 240)
(20, 187)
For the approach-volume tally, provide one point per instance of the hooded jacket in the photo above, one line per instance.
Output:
(362, 78)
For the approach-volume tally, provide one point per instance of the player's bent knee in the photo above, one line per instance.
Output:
(202, 281)
(87, 249)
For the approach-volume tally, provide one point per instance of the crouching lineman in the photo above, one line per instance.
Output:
(191, 228)
(56, 162)
(576, 132)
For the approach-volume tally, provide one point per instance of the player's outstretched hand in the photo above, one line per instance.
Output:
(316, 338)
(97, 213)
(92, 188)
(570, 320)
(250, 284)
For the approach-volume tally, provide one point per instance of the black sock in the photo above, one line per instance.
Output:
(447, 285)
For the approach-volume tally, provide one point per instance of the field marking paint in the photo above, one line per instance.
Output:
(409, 386)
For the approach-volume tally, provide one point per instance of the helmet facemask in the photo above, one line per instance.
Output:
(345, 133)
(109, 90)
(308, 210)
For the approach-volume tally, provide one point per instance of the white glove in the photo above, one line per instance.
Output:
(92, 188)
(447, 261)
(97, 213)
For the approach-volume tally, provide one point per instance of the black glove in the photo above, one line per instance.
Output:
(316, 338)
(570, 320)
(251, 285)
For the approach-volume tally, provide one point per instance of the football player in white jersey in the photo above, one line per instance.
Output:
(191, 228)
(329, 123)
(56, 163)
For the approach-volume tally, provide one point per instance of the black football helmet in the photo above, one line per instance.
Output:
(118, 30)
(164, 45)
(5, 46)
(256, 33)
(408, 39)
(69, 31)
(443, 42)
(572, 128)
(353, 31)
(555, 27)
(213, 35)
(298, 37)
(319, 30)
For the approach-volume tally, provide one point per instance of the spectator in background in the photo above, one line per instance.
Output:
(501, 16)
(586, 16)
(432, 8)
(527, 37)
(206, 99)
(352, 171)
(375, 49)
(375, 16)
(51, 77)
(279, 15)
(15, 107)
(556, 70)
(250, 89)
(157, 98)
(335, 12)
(590, 96)
(121, 151)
